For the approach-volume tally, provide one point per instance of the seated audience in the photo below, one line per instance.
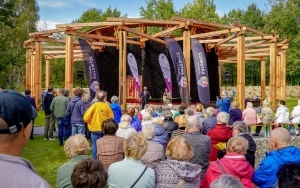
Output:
(240, 129)
(146, 118)
(110, 146)
(131, 172)
(176, 171)
(289, 176)
(125, 130)
(281, 153)
(161, 136)
(219, 135)
(226, 181)
(249, 116)
(181, 127)
(266, 117)
(210, 121)
(89, 173)
(155, 151)
(135, 122)
(235, 114)
(181, 110)
(200, 143)
(169, 123)
(282, 114)
(76, 148)
(199, 112)
(233, 163)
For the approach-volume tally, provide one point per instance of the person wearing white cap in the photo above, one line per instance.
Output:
(295, 118)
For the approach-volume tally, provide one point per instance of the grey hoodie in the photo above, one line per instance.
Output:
(169, 172)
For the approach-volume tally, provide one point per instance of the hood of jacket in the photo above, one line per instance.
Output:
(237, 165)
(184, 169)
(283, 108)
(75, 99)
(159, 130)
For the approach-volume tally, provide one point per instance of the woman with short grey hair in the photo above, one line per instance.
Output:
(169, 124)
(223, 117)
(226, 181)
(116, 108)
(155, 151)
(240, 129)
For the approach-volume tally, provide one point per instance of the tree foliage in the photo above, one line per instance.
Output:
(18, 19)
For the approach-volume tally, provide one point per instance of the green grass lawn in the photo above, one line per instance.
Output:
(47, 156)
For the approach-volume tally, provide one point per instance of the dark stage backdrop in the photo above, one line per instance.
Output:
(148, 66)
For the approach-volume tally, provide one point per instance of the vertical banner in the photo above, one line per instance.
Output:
(91, 69)
(201, 72)
(165, 68)
(180, 69)
(134, 70)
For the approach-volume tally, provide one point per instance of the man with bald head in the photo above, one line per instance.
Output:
(280, 152)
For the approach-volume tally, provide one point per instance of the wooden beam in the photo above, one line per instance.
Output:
(166, 31)
(257, 50)
(33, 72)
(229, 38)
(278, 76)
(250, 29)
(28, 70)
(46, 32)
(263, 80)
(124, 64)
(85, 35)
(38, 73)
(216, 33)
(69, 70)
(187, 54)
(283, 75)
(47, 73)
(200, 22)
(121, 97)
(142, 34)
(220, 76)
(273, 75)
(235, 40)
(227, 61)
(104, 44)
(144, 21)
(241, 71)
(88, 24)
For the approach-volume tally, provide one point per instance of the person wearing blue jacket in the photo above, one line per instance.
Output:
(281, 153)
(224, 103)
(116, 108)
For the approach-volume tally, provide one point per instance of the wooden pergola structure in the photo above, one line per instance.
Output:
(234, 43)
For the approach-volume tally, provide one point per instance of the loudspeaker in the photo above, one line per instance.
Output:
(226, 76)
(80, 74)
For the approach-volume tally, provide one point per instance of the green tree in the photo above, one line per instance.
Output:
(200, 10)
(12, 55)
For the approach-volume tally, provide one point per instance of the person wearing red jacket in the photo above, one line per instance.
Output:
(219, 135)
(233, 163)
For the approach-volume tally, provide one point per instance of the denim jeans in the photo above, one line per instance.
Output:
(78, 128)
(95, 136)
(64, 128)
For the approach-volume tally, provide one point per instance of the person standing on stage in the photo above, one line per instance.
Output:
(145, 94)
(166, 97)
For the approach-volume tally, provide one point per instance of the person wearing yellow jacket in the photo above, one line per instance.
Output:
(94, 117)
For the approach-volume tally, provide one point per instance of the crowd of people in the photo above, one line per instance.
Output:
(149, 147)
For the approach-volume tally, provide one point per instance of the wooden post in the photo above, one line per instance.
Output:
(28, 70)
(241, 71)
(263, 80)
(69, 72)
(32, 83)
(124, 63)
(283, 74)
(220, 77)
(278, 77)
(47, 74)
(120, 68)
(273, 75)
(38, 73)
(187, 54)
